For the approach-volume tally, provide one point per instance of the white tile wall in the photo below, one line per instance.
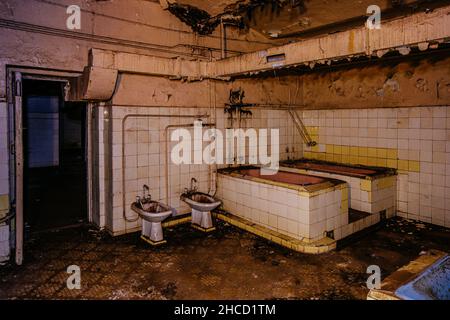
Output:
(419, 134)
(358, 199)
(4, 242)
(4, 166)
(4, 179)
(145, 145)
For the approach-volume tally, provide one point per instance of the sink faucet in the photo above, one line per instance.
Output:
(146, 192)
(192, 189)
(193, 184)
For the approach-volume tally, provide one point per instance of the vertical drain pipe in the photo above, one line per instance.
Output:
(223, 38)
(298, 123)
(215, 121)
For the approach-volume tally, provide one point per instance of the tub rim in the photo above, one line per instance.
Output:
(380, 172)
(309, 190)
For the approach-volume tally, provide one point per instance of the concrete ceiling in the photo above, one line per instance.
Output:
(212, 7)
(286, 18)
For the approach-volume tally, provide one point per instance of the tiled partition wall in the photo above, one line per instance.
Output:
(4, 182)
(145, 145)
(416, 141)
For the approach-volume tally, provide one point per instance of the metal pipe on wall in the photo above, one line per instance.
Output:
(215, 121)
(45, 30)
(123, 148)
(223, 39)
(166, 157)
(289, 108)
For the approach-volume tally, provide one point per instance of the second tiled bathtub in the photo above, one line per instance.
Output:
(372, 190)
(304, 207)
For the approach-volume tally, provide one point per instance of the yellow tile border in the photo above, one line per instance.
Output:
(345, 150)
(176, 222)
(381, 162)
(151, 242)
(396, 279)
(403, 165)
(315, 247)
(368, 156)
(353, 150)
(391, 163)
(366, 185)
(345, 193)
(385, 182)
(329, 148)
(381, 153)
(372, 152)
(4, 202)
(372, 161)
(392, 154)
(414, 166)
(362, 151)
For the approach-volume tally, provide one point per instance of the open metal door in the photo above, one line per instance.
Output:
(18, 155)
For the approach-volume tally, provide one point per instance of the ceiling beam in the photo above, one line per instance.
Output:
(418, 30)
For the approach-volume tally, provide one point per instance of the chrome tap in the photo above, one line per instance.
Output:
(189, 191)
(146, 192)
(193, 185)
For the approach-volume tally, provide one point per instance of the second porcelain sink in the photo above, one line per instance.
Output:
(200, 201)
(201, 205)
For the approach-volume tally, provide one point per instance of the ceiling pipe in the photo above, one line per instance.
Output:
(223, 40)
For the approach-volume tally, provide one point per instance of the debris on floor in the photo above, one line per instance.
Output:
(194, 266)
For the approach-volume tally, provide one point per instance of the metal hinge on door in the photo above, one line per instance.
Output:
(12, 147)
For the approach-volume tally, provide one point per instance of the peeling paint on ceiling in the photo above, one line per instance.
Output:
(198, 16)
(283, 18)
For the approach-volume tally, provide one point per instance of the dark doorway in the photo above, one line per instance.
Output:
(55, 183)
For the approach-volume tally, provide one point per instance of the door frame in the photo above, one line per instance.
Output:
(15, 75)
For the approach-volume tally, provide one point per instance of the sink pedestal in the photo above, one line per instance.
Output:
(152, 232)
(202, 221)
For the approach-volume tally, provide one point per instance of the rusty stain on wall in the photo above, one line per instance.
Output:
(407, 83)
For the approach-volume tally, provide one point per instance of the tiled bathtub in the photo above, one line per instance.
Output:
(301, 206)
(372, 190)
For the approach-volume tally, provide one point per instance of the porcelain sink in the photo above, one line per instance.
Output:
(200, 201)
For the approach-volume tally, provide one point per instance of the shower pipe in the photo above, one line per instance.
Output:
(282, 107)
(166, 157)
(301, 128)
(298, 120)
(223, 40)
(134, 115)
